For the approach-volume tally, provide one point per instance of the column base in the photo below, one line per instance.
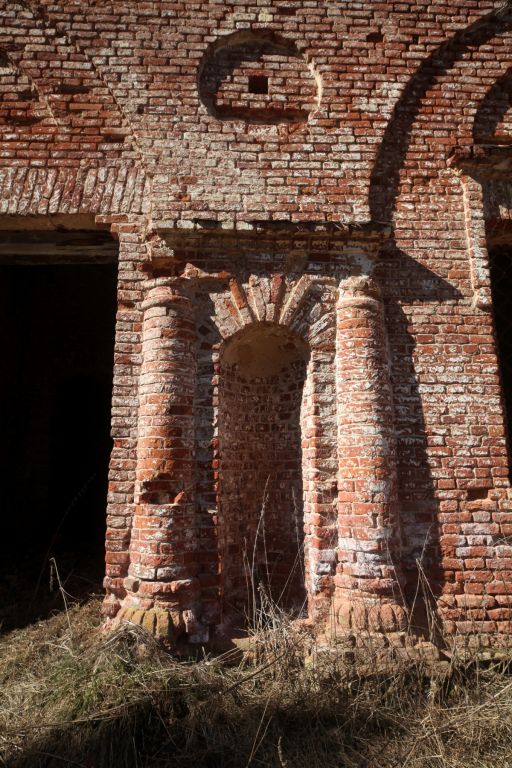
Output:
(167, 622)
(167, 626)
(352, 614)
(157, 622)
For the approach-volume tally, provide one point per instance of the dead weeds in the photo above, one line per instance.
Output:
(70, 696)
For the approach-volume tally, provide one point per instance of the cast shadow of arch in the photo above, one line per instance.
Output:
(404, 282)
(385, 176)
(497, 196)
(492, 109)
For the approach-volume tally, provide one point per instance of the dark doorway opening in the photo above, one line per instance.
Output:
(501, 281)
(57, 325)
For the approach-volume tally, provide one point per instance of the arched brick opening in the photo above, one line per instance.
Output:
(260, 496)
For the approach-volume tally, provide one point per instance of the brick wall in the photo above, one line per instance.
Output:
(263, 154)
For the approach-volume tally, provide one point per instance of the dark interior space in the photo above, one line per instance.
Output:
(501, 279)
(57, 334)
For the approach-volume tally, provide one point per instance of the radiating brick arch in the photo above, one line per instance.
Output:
(304, 304)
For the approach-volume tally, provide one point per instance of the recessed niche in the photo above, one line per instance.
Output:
(258, 84)
(260, 391)
(68, 89)
(476, 494)
(258, 77)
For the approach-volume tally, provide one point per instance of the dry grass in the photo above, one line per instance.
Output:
(71, 697)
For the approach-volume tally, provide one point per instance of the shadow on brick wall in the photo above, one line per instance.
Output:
(407, 284)
(493, 108)
(385, 176)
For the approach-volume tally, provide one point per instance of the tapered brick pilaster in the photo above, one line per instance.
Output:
(162, 585)
(367, 582)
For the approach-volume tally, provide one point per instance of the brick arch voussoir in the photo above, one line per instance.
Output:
(304, 305)
(310, 312)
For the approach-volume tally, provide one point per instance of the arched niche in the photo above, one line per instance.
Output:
(258, 77)
(261, 391)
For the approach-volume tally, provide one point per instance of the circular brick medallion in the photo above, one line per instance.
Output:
(258, 77)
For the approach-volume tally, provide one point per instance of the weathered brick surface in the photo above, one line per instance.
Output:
(260, 156)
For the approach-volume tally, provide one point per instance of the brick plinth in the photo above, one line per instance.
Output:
(162, 577)
(368, 592)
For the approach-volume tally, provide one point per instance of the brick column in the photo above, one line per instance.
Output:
(162, 586)
(367, 582)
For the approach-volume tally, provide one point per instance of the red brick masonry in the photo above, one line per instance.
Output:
(307, 404)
